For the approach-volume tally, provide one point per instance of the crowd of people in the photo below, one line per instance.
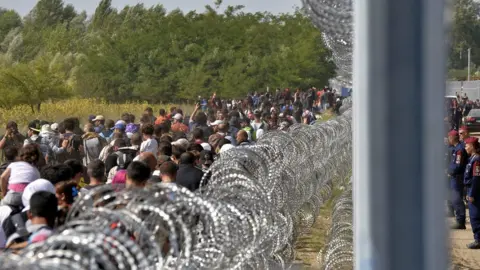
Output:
(45, 170)
(463, 172)
(457, 108)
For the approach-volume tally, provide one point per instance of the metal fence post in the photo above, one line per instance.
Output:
(399, 81)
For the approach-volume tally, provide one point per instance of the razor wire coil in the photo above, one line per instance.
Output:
(338, 252)
(334, 18)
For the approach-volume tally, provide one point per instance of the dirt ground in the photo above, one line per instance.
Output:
(462, 257)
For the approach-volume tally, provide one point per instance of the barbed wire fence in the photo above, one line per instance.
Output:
(257, 201)
(338, 252)
(334, 19)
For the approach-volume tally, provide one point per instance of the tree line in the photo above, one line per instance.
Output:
(149, 54)
(464, 34)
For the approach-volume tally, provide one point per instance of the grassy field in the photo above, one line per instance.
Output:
(80, 108)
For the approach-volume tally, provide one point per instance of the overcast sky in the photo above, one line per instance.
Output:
(274, 6)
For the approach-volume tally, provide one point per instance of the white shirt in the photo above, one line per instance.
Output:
(149, 145)
(22, 172)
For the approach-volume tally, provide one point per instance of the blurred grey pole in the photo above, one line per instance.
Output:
(399, 186)
(469, 50)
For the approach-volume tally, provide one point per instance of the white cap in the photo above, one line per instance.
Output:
(46, 129)
(99, 118)
(33, 187)
(178, 116)
(226, 147)
(181, 142)
(54, 126)
(206, 146)
(217, 122)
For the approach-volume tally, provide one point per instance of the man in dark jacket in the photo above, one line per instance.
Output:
(188, 175)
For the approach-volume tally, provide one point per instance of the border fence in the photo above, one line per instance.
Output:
(338, 251)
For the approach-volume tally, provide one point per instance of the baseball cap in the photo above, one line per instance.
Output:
(46, 129)
(99, 118)
(54, 126)
(34, 125)
(178, 116)
(119, 126)
(217, 122)
(206, 146)
(181, 142)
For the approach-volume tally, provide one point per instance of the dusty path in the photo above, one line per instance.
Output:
(462, 257)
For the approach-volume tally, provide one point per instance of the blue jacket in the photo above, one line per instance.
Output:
(472, 177)
(458, 163)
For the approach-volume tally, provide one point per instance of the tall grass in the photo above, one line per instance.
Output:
(81, 108)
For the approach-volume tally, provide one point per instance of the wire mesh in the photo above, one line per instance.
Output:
(257, 201)
(338, 252)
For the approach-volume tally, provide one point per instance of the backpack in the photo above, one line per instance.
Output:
(21, 229)
(15, 223)
(124, 158)
(106, 151)
(74, 149)
(254, 130)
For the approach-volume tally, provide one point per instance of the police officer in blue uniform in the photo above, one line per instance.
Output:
(472, 183)
(463, 134)
(456, 170)
(448, 153)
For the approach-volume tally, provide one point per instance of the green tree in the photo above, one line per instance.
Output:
(9, 20)
(465, 33)
(150, 54)
(36, 82)
(102, 13)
